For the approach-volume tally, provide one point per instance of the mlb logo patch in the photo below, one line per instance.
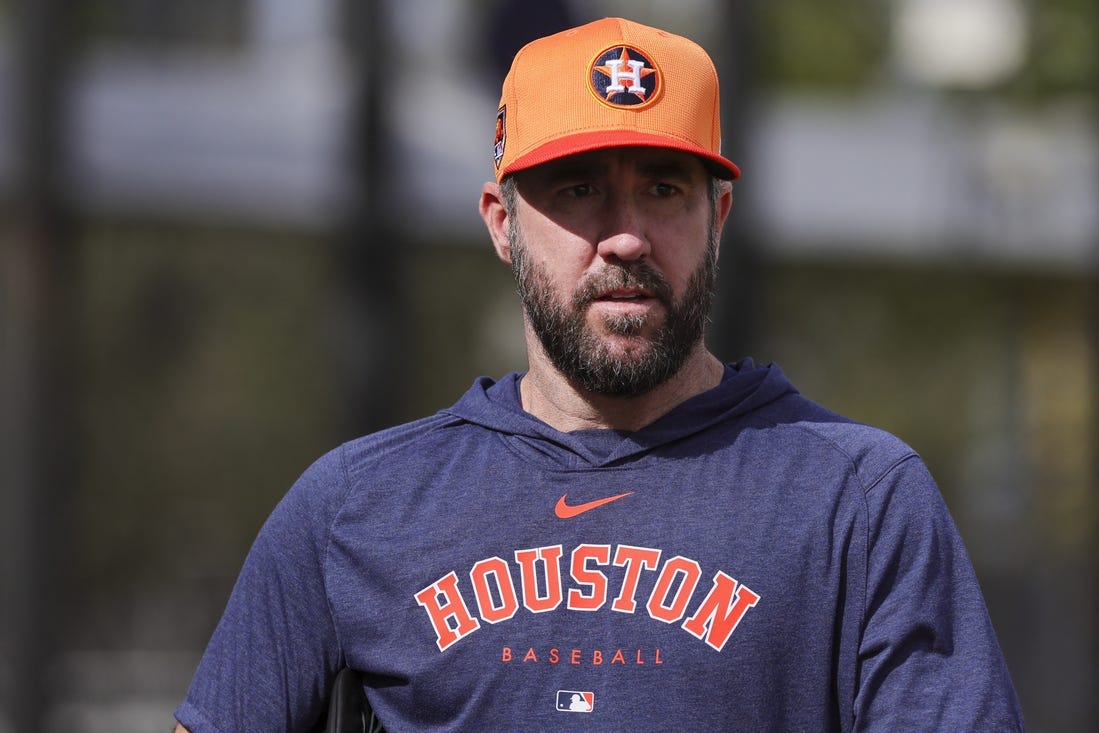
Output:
(575, 701)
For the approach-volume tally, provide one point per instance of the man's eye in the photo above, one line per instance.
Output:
(664, 190)
(580, 190)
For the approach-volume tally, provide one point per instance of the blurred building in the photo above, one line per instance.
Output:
(254, 125)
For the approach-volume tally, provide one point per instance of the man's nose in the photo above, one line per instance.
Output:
(624, 235)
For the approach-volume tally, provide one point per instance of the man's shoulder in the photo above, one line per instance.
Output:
(331, 477)
(388, 444)
(868, 448)
(398, 436)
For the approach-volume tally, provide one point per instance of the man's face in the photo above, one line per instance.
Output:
(614, 254)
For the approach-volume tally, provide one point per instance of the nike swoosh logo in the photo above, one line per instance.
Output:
(566, 511)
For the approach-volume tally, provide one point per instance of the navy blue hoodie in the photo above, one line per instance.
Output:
(749, 561)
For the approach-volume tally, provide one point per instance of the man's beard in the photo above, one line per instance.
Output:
(578, 352)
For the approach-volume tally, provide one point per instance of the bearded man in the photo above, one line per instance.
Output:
(631, 535)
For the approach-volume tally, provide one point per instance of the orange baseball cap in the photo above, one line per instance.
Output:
(610, 83)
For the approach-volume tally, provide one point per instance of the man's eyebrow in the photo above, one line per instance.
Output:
(576, 169)
(665, 169)
(589, 167)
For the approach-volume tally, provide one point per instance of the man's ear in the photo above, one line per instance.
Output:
(724, 205)
(495, 216)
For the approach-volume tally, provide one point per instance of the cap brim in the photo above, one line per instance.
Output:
(565, 146)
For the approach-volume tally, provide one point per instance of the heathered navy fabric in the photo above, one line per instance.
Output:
(748, 562)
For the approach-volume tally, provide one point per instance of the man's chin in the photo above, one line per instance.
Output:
(623, 348)
(626, 329)
(629, 376)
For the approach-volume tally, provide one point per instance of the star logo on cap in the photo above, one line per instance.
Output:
(623, 76)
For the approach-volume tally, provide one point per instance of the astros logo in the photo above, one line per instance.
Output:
(623, 76)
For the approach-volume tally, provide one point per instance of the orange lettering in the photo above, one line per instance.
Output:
(721, 611)
(550, 559)
(497, 569)
(634, 559)
(447, 610)
(689, 572)
(597, 581)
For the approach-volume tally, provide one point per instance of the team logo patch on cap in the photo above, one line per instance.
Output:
(623, 76)
(501, 136)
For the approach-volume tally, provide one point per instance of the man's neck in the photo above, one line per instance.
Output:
(555, 400)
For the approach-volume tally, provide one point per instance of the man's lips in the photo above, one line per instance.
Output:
(626, 302)
(625, 295)
(640, 286)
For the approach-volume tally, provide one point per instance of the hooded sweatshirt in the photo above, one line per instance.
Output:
(749, 561)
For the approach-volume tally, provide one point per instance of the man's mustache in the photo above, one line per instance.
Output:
(635, 276)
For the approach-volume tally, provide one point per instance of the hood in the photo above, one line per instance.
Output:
(496, 406)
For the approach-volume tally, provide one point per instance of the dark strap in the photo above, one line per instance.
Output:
(348, 709)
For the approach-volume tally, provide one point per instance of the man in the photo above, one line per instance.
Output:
(632, 535)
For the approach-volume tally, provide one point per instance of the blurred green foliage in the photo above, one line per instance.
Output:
(206, 383)
(210, 24)
(822, 44)
(844, 45)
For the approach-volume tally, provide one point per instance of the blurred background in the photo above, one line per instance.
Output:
(234, 233)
